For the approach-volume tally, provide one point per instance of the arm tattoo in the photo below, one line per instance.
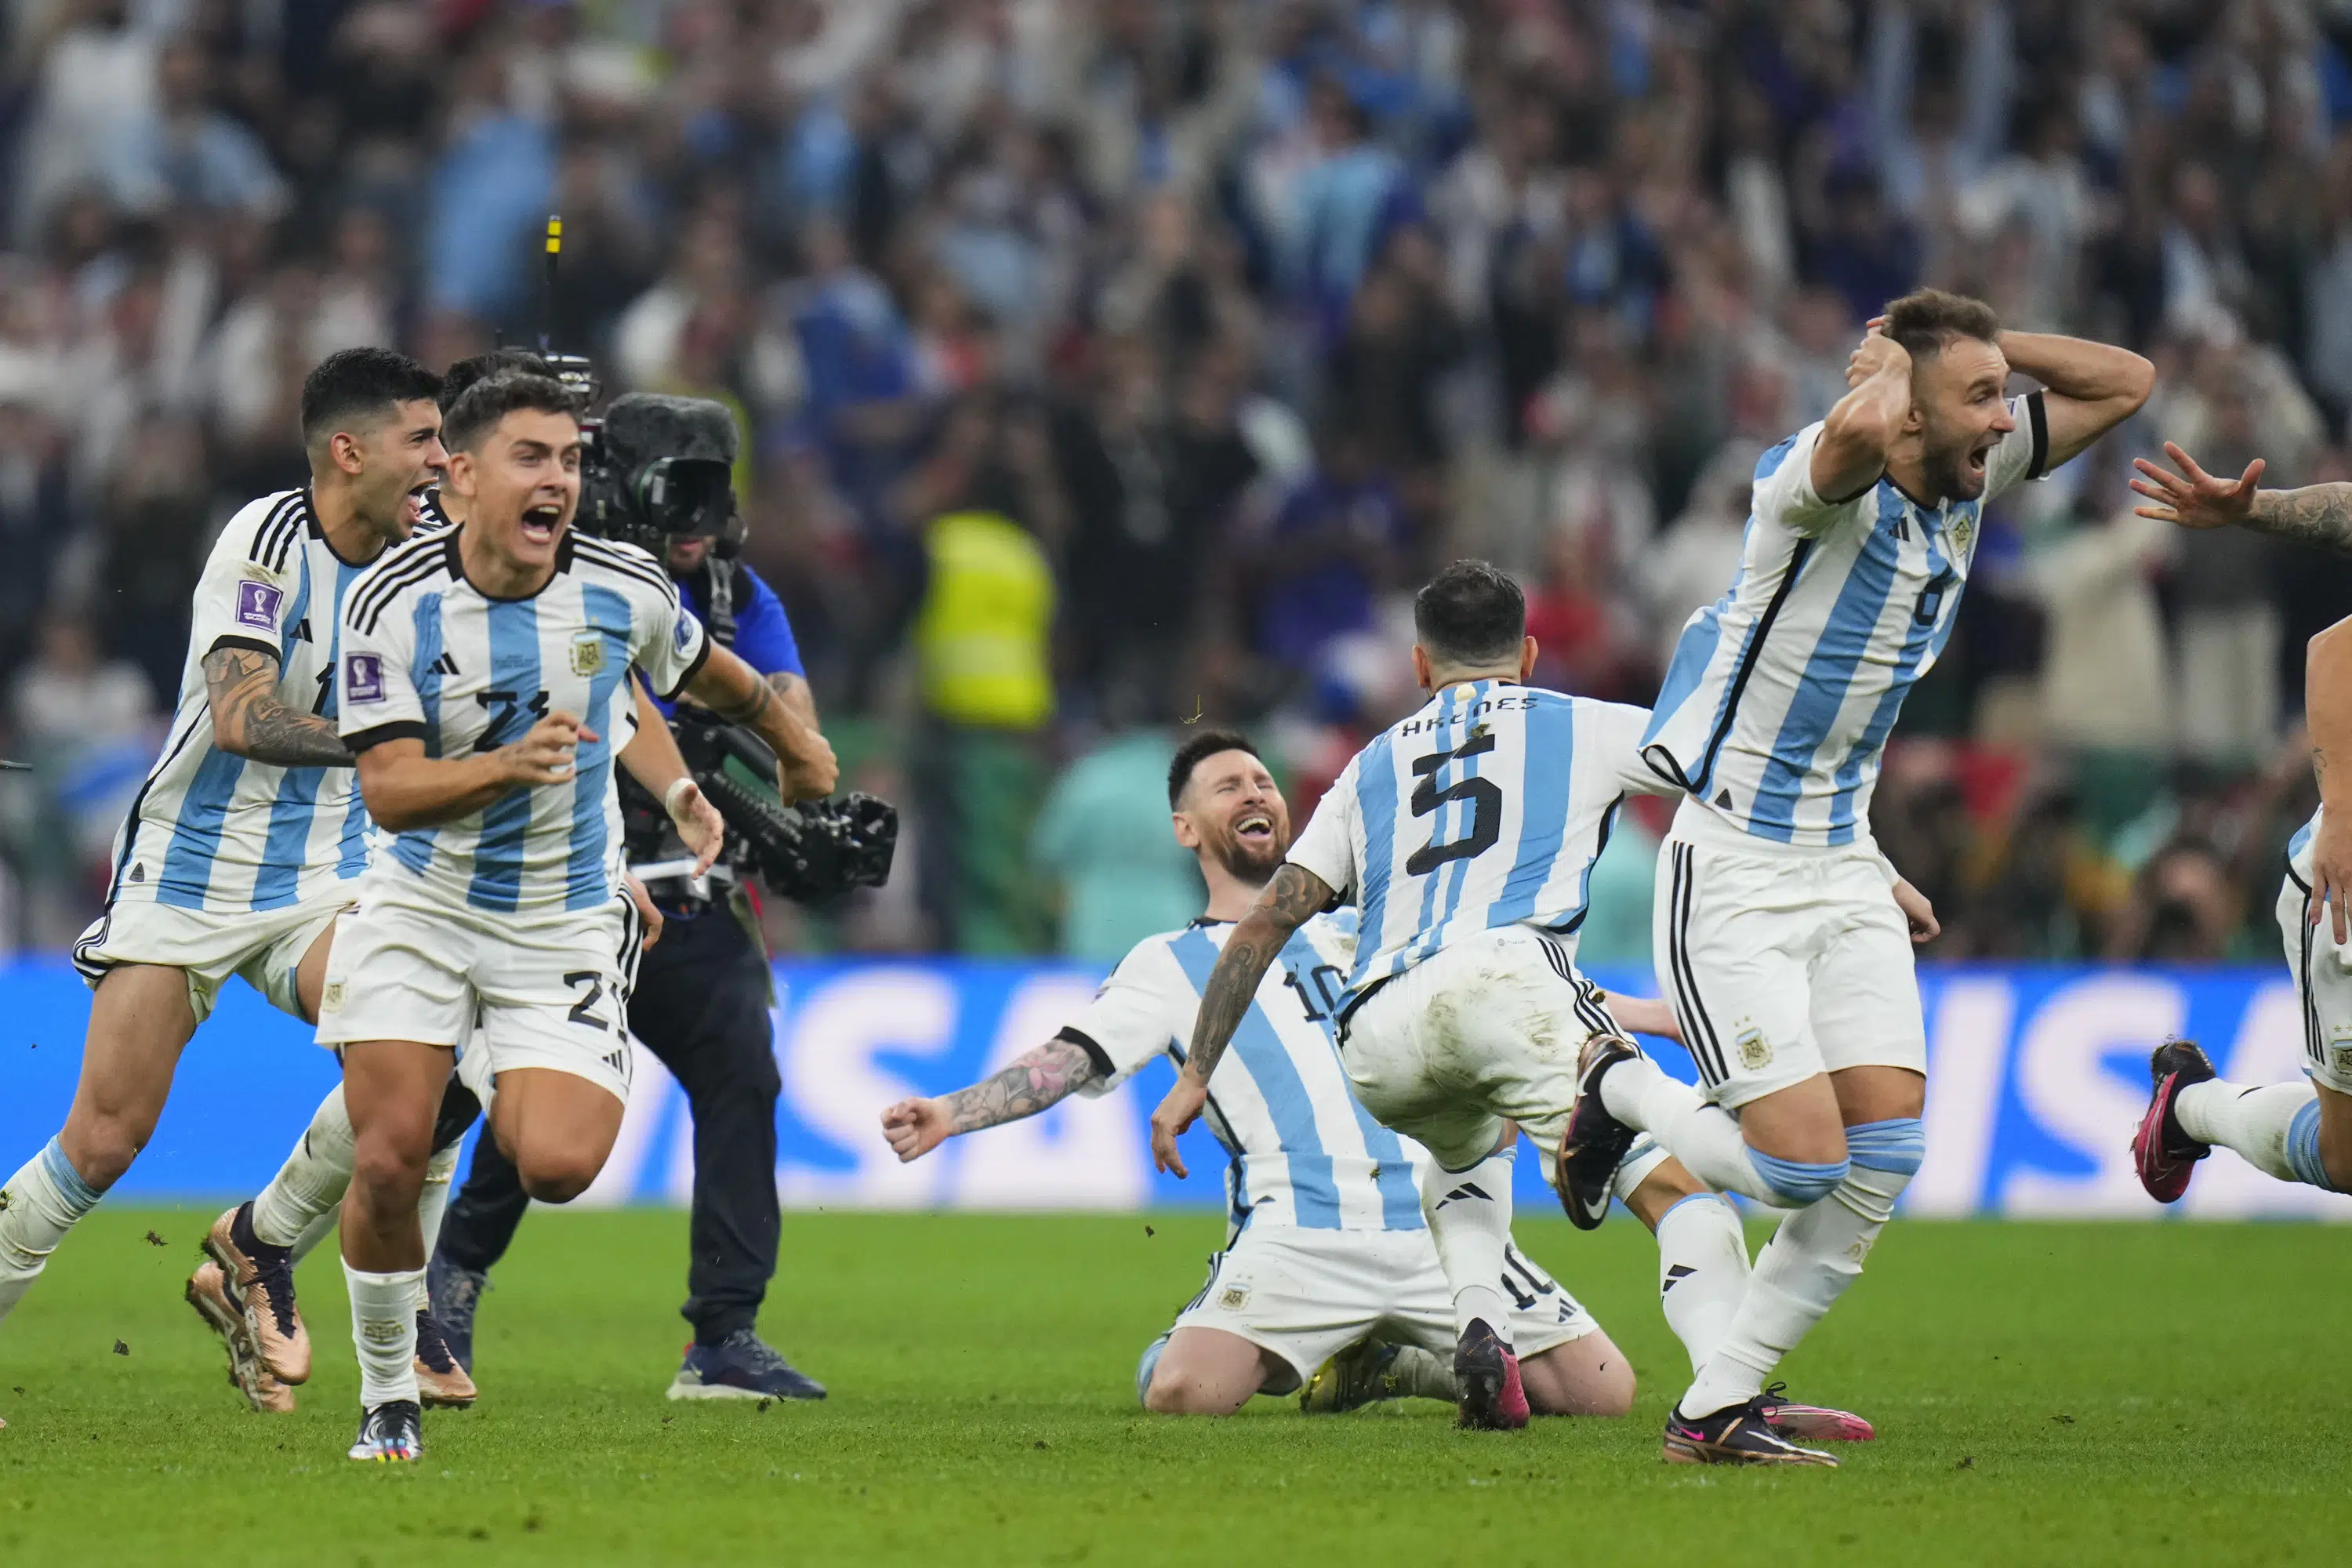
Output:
(2315, 514)
(751, 709)
(1294, 894)
(249, 720)
(1029, 1083)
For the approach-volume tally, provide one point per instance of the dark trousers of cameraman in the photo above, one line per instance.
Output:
(701, 1006)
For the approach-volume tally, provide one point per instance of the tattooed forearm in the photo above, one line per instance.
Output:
(1029, 1084)
(249, 720)
(749, 708)
(1294, 894)
(2315, 514)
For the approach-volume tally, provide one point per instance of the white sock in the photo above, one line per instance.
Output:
(2259, 1124)
(317, 1231)
(383, 1332)
(38, 1205)
(1702, 1272)
(1469, 1215)
(1704, 1137)
(1424, 1375)
(311, 1181)
(1807, 1264)
(432, 1203)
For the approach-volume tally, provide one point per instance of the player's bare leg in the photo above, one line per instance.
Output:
(1207, 1372)
(391, 1089)
(140, 1021)
(556, 1127)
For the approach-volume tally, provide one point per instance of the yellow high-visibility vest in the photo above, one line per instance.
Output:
(983, 636)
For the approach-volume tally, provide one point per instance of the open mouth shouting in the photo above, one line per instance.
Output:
(1978, 456)
(412, 507)
(542, 523)
(1256, 828)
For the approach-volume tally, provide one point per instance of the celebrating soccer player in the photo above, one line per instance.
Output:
(1317, 1192)
(1784, 939)
(2295, 1131)
(481, 677)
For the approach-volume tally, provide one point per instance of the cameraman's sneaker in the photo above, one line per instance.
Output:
(455, 1293)
(207, 1292)
(393, 1431)
(260, 1278)
(742, 1366)
(440, 1381)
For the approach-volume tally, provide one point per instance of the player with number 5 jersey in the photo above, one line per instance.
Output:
(484, 691)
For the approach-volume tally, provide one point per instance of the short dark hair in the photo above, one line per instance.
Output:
(480, 407)
(1197, 747)
(481, 367)
(1471, 612)
(360, 382)
(1925, 320)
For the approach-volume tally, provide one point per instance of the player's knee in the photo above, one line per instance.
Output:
(556, 1177)
(391, 1169)
(102, 1148)
(1798, 1183)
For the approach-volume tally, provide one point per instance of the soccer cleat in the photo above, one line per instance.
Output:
(455, 1292)
(1364, 1373)
(394, 1430)
(742, 1366)
(1488, 1373)
(260, 1279)
(1595, 1143)
(207, 1292)
(1811, 1423)
(2165, 1155)
(1735, 1435)
(440, 1381)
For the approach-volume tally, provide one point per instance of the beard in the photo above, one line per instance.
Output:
(1948, 472)
(1247, 862)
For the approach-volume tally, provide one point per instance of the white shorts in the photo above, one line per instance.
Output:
(549, 991)
(1307, 1294)
(1781, 963)
(266, 946)
(2323, 985)
(1480, 1032)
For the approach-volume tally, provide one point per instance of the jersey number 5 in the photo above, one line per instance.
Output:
(1484, 795)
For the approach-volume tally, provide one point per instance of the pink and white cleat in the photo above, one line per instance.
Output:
(1492, 1398)
(1811, 1423)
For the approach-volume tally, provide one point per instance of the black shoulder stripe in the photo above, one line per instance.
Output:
(652, 576)
(298, 521)
(2038, 417)
(380, 580)
(266, 536)
(392, 577)
(368, 617)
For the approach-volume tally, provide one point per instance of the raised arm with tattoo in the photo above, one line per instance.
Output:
(2315, 514)
(1033, 1081)
(1295, 895)
(805, 767)
(249, 720)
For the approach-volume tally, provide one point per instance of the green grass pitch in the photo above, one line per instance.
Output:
(2060, 1394)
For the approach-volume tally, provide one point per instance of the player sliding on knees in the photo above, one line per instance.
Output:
(1465, 835)
(1327, 1283)
(481, 684)
(2295, 1131)
(1783, 935)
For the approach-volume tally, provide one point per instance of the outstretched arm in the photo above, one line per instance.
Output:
(805, 768)
(1029, 1083)
(1294, 894)
(2088, 388)
(249, 720)
(653, 760)
(2315, 514)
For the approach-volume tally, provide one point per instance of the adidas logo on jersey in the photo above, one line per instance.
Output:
(444, 665)
(302, 630)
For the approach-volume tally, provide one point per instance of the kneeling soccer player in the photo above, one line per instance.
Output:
(480, 679)
(1329, 1280)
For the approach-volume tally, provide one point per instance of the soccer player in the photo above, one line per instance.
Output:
(1466, 835)
(1328, 1279)
(243, 1290)
(1784, 939)
(479, 687)
(2295, 1131)
(244, 842)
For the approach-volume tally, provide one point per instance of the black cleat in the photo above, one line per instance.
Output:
(1492, 1398)
(1735, 1435)
(1595, 1143)
(2164, 1154)
(394, 1430)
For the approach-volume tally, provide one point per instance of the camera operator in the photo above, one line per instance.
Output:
(658, 476)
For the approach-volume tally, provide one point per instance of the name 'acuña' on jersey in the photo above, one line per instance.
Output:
(1777, 705)
(214, 831)
(427, 655)
(1484, 809)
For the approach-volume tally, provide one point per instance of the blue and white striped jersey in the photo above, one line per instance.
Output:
(1484, 809)
(426, 655)
(213, 831)
(1776, 707)
(1304, 1152)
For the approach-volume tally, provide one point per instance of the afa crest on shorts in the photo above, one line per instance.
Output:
(587, 653)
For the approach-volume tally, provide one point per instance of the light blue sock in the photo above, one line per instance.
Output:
(80, 1196)
(2303, 1149)
(1147, 1366)
(1897, 1144)
(1798, 1183)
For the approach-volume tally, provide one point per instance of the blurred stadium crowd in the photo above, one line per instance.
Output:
(1111, 363)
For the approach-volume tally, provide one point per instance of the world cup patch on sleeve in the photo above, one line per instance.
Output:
(685, 629)
(363, 677)
(257, 604)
